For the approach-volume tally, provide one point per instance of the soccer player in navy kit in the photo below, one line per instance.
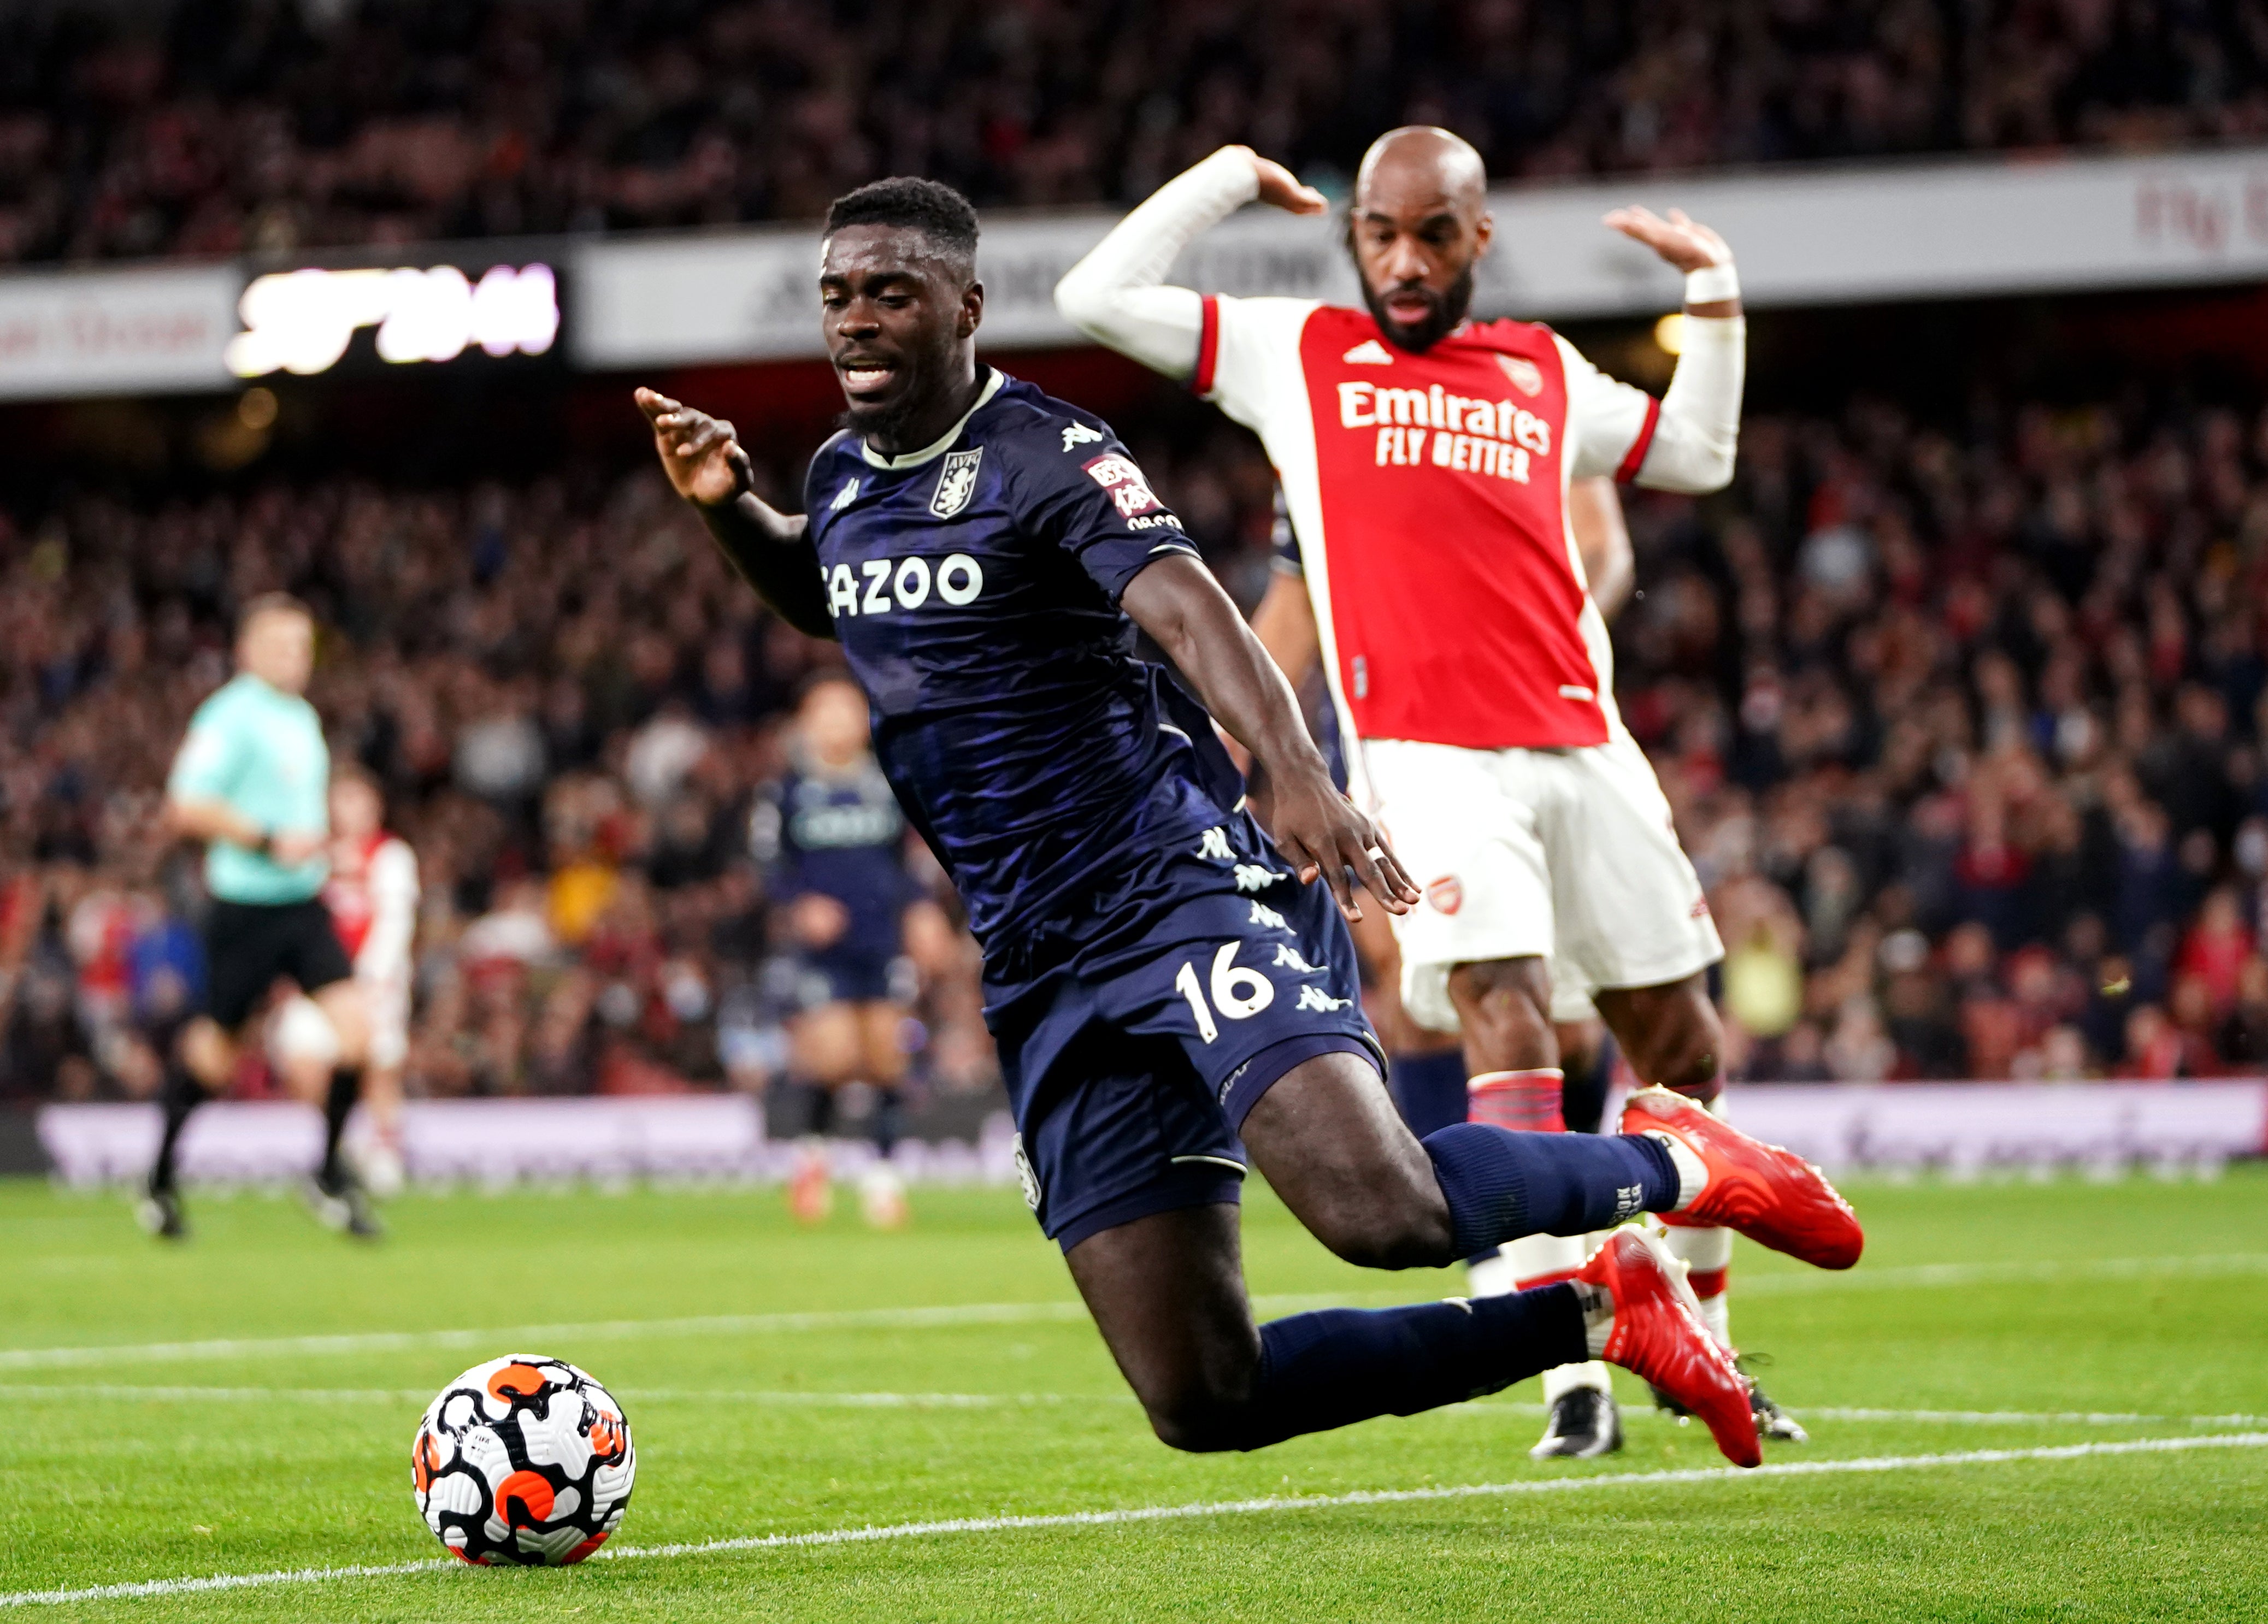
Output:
(1171, 990)
(833, 842)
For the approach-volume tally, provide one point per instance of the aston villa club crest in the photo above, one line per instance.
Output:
(1526, 375)
(957, 483)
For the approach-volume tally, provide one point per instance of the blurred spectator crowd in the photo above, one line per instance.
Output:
(1964, 725)
(573, 706)
(1964, 731)
(218, 127)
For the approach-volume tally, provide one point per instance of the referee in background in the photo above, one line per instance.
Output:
(253, 781)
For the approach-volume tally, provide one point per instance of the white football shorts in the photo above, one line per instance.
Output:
(1568, 854)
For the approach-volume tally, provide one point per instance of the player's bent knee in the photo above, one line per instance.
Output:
(1204, 1428)
(1407, 1233)
(1692, 1061)
(1504, 1007)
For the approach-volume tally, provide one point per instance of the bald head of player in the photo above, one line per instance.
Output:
(901, 302)
(275, 641)
(1419, 225)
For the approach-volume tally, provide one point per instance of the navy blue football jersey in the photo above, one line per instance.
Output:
(975, 587)
(842, 836)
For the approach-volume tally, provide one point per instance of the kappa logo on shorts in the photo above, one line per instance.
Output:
(957, 483)
(1446, 893)
(1025, 1176)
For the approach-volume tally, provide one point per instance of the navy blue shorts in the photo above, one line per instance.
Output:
(845, 975)
(1134, 1036)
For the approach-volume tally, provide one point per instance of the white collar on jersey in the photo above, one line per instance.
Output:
(937, 447)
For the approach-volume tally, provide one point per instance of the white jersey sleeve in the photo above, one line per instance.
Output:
(394, 889)
(1249, 357)
(1685, 441)
(1116, 294)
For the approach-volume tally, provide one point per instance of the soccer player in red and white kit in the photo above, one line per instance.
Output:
(1426, 460)
(372, 896)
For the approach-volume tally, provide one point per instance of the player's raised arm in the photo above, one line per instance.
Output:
(1694, 441)
(1116, 295)
(706, 467)
(1177, 601)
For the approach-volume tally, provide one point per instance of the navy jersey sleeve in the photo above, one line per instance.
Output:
(1090, 498)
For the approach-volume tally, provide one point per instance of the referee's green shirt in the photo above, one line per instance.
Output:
(262, 751)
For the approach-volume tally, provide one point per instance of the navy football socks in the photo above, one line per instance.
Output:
(1340, 1366)
(1501, 1185)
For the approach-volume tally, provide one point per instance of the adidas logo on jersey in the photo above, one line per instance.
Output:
(1370, 352)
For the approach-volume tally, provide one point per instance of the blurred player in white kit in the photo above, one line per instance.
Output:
(1427, 462)
(372, 896)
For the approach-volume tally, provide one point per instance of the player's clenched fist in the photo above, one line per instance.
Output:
(704, 460)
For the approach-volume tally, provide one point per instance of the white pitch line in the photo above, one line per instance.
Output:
(794, 1398)
(948, 1316)
(1176, 1513)
(2044, 1271)
(1994, 1418)
(943, 1315)
(808, 1399)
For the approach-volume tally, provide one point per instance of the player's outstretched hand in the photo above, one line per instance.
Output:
(1320, 832)
(1280, 189)
(704, 460)
(1684, 242)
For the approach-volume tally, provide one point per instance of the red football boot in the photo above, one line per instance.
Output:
(1658, 1336)
(1771, 1195)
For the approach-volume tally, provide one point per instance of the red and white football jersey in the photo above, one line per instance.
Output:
(373, 898)
(1428, 493)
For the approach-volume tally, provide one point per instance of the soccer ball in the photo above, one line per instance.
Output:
(523, 1459)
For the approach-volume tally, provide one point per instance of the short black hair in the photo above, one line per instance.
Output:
(930, 207)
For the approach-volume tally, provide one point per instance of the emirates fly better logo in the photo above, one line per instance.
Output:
(1466, 434)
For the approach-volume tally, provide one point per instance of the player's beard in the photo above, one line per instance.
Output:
(886, 423)
(1450, 309)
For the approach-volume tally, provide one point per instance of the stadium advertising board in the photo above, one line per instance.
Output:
(1805, 236)
(306, 320)
(115, 332)
(172, 330)
(1808, 236)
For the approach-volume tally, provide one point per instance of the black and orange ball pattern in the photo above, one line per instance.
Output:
(523, 1459)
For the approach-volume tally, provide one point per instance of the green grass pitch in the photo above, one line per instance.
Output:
(1988, 1323)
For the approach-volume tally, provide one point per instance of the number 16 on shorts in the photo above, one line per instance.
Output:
(1238, 993)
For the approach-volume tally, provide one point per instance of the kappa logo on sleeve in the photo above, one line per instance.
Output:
(1080, 434)
(1118, 475)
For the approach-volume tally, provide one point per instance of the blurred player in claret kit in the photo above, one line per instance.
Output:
(833, 842)
(1427, 462)
(1173, 991)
